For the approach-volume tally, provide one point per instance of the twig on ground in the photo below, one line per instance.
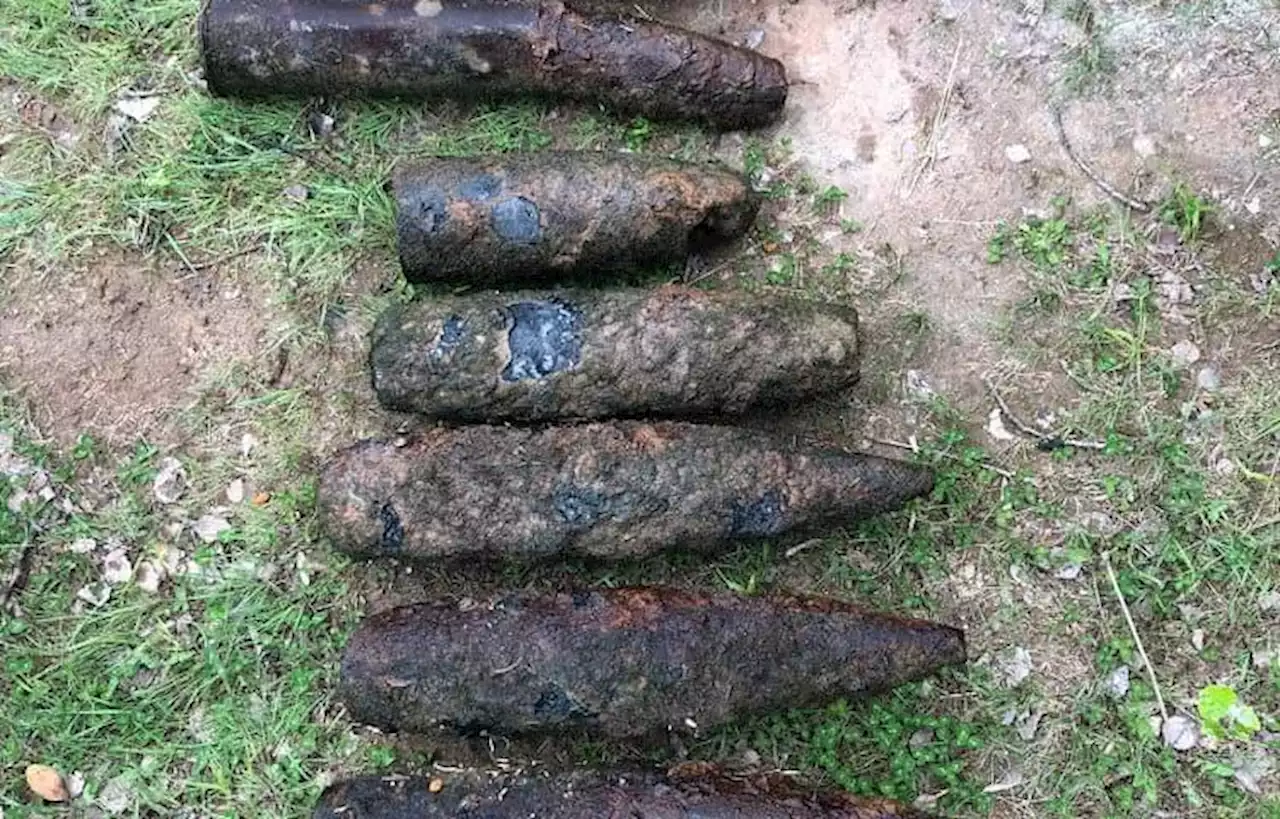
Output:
(800, 547)
(1133, 631)
(221, 260)
(699, 275)
(177, 248)
(1046, 440)
(900, 445)
(1252, 182)
(939, 117)
(1079, 382)
(18, 579)
(1102, 184)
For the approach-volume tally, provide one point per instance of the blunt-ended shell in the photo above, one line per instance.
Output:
(631, 662)
(549, 215)
(605, 490)
(596, 795)
(627, 352)
(464, 49)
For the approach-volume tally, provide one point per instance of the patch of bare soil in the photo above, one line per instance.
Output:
(115, 348)
(937, 120)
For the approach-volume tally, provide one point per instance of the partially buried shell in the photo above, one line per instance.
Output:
(612, 490)
(625, 352)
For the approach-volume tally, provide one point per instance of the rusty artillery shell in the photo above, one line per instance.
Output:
(465, 49)
(631, 794)
(609, 490)
(525, 217)
(628, 352)
(625, 662)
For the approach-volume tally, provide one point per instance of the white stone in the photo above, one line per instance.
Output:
(1180, 732)
(208, 527)
(116, 568)
(1117, 684)
(170, 481)
(1017, 154)
(1185, 353)
(1013, 665)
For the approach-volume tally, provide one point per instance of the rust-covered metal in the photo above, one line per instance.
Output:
(552, 215)
(628, 352)
(606, 490)
(466, 49)
(596, 795)
(630, 662)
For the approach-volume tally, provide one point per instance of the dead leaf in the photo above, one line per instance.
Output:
(1174, 289)
(1117, 684)
(17, 500)
(84, 545)
(1028, 726)
(1012, 666)
(170, 482)
(918, 386)
(11, 464)
(47, 783)
(138, 108)
(149, 577)
(95, 594)
(1011, 779)
(261, 498)
(1184, 353)
(1180, 732)
(116, 797)
(208, 527)
(1249, 771)
(116, 568)
(928, 802)
(920, 738)
(995, 426)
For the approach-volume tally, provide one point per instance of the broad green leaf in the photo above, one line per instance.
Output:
(1224, 716)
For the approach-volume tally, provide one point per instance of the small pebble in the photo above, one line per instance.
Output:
(1144, 146)
(1185, 353)
(946, 11)
(754, 38)
(1017, 154)
(1180, 732)
(1117, 684)
(1209, 379)
(435, 785)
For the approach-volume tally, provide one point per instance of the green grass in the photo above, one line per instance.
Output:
(1091, 62)
(1186, 211)
(215, 694)
(1198, 540)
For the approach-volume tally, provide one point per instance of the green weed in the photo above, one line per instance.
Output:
(1186, 211)
(785, 272)
(828, 199)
